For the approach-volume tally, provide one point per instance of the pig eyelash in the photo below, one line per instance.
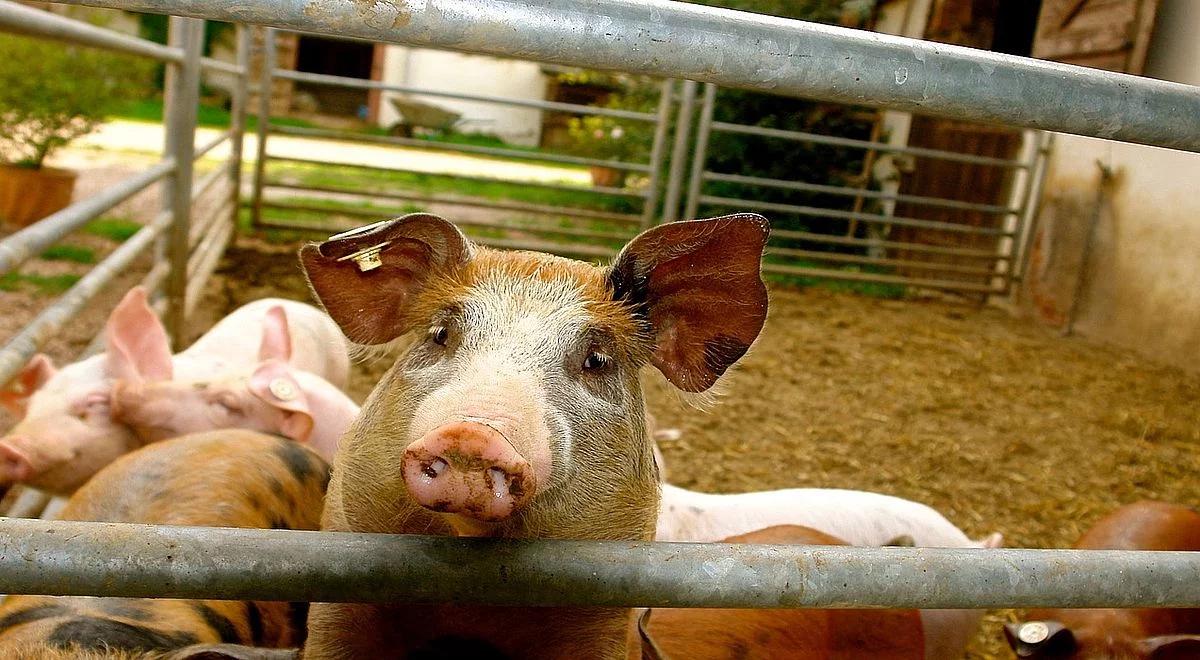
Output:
(595, 361)
(439, 334)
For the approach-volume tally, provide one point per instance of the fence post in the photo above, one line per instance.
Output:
(264, 117)
(241, 92)
(703, 130)
(679, 151)
(182, 97)
(656, 151)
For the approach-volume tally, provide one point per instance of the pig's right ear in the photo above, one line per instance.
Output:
(366, 278)
(15, 395)
(137, 345)
(697, 285)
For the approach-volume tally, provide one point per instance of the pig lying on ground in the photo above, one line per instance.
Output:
(860, 518)
(791, 634)
(219, 479)
(518, 410)
(1112, 634)
(273, 398)
(67, 432)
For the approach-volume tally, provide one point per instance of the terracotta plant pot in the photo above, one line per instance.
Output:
(607, 176)
(28, 195)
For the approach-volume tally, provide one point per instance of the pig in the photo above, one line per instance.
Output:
(67, 432)
(1095, 634)
(791, 634)
(517, 410)
(219, 479)
(861, 518)
(274, 397)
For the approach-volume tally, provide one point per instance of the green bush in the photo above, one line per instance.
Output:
(52, 93)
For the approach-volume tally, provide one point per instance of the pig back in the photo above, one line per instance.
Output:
(226, 478)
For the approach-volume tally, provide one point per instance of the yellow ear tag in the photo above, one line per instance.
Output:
(367, 258)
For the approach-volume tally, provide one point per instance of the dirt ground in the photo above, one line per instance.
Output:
(1000, 424)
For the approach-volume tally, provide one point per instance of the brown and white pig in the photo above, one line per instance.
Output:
(67, 432)
(1120, 634)
(790, 634)
(219, 479)
(518, 411)
(273, 398)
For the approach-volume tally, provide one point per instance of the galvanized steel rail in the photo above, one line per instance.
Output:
(751, 51)
(111, 559)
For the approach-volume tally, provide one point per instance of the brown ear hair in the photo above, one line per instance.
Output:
(369, 299)
(698, 286)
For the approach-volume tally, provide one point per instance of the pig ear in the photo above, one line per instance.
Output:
(1170, 647)
(274, 383)
(276, 337)
(698, 286)
(231, 652)
(137, 342)
(15, 395)
(366, 278)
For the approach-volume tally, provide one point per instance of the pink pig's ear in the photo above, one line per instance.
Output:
(15, 395)
(138, 348)
(273, 382)
(367, 278)
(697, 285)
(276, 337)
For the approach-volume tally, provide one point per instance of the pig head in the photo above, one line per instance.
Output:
(518, 410)
(273, 397)
(66, 433)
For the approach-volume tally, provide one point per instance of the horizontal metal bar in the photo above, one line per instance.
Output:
(150, 282)
(360, 83)
(751, 51)
(35, 238)
(51, 320)
(598, 190)
(199, 226)
(217, 140)
(833, 140)
(814, 237)
(20, 19)
(819, 212)
(113, 559)
(221, 65)
(859, 276)
(213, 240)
(482, 202)
(209, 180)
(846, 191)
(862, 259)
(202, 270)
(460, 148)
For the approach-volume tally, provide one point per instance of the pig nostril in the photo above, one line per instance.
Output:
(435, 468)
(499, 481)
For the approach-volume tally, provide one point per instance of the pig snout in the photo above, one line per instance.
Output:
(14, 464)
(469, 469)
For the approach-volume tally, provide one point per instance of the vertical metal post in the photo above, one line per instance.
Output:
(182, 98)
(264, 118)
(241, 93)
(656, 152)
(683, 129)
(703, 130)
(1027, 226)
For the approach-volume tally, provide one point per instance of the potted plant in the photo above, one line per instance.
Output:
(50, 94)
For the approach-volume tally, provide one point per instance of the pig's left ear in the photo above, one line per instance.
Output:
(1170, 647)
(366, 278)
(273, 382)
(698, 286)
(276, 337)
(137, 345)
(15, 395)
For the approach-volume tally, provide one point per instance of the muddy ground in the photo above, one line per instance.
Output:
(1000, 424)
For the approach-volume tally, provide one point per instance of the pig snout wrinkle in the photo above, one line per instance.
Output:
(470, 469)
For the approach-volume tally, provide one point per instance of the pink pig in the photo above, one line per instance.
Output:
(67, 432)
(274, 397)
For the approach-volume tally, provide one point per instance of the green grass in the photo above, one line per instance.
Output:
(211, 116)
(45, 285)
(114, 229)
(75, 253)
(873, 289)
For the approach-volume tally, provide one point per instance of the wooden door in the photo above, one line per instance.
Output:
(1105, 34)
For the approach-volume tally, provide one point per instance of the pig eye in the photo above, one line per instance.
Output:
(439, 334)
(595, 361)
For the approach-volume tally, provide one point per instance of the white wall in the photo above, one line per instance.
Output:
(472, 74)
(1142, 283)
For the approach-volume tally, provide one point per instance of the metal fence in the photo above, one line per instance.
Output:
(186, 247)
(707, 45)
